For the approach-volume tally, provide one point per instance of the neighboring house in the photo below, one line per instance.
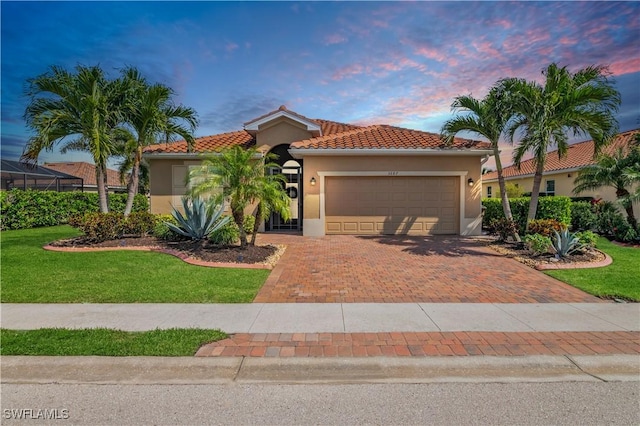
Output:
(346, 179)
(87, 172)
(17, 175)
(559, 174)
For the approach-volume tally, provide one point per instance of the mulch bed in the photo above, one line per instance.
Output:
(523, 255)
(199, 250)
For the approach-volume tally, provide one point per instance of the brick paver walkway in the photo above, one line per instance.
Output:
(349, 269)
(423, 344)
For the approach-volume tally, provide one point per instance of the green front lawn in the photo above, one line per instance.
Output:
(31, 274)
(621, 279)
(106, 342)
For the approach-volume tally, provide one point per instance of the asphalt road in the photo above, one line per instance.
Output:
(444, 403)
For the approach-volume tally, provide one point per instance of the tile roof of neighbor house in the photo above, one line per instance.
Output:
(87, 172)
(17, 167)
(578, 155)
(334, 135)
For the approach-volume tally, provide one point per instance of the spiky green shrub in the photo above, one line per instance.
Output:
(565, 243)
(538, 244)
(198, 220)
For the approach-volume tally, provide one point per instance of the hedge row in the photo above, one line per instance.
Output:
(558, 208)
(30, 209)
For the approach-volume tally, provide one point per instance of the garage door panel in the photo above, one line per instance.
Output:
(391, 205)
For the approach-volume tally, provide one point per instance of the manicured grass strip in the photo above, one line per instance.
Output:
(31, 274)
(621, 279)
(106, 342)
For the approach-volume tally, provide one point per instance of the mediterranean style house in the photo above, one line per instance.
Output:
(559, 173)
(346, 179)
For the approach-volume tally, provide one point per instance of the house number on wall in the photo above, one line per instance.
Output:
(393, 173)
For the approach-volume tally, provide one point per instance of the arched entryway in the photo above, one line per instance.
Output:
(292, 171)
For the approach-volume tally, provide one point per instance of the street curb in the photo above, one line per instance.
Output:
(190, 370)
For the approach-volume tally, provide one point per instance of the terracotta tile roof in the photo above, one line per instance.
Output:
(205, 144)
(333, 127)
(385, 137)
(334, 135)
(578, 155)
(87, 172)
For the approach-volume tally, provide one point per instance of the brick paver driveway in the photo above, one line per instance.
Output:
(345, 268)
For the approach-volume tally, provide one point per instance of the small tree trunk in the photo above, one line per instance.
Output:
(622, 193)
(103, 199)
(238, 218)
(256, 223)
(535, 192)
(506, 207)
(134, 179)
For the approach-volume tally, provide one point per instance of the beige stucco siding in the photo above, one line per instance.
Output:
(281, 131)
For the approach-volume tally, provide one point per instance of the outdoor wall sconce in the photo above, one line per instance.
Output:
(313, 181)
(470, 182)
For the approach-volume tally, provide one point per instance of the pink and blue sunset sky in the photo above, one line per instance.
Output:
(398, 63)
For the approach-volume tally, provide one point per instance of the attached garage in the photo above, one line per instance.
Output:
(414, 205)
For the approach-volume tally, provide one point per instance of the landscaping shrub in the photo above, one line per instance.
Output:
(139, 224)
(565, 243)
(545, 227)
(588, 238)
(504, 228)
(583, 216)
(162, 231)
(30, 209)
(249, 222)
(538, 244)
(226, 235)
(558, 208)
(99, 227)
(198, 220)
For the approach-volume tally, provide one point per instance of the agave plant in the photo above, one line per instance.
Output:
(565, 243)
(198, 221)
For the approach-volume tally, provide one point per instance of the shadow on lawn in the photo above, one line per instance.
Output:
(442, 245)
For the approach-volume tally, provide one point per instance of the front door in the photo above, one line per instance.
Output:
(292, 171)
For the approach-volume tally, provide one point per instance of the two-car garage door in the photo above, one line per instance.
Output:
(420, 205)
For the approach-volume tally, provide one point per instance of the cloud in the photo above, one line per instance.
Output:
(335, 38)
(230, 46)
(232, 115)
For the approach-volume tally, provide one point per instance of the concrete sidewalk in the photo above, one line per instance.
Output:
(330, 317)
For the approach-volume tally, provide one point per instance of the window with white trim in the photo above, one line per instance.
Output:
(551, 187)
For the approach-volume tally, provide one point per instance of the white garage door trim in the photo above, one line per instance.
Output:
(319, 227)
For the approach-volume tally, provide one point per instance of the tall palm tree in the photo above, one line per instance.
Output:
(583, 103)
(84, 106)
(240, 177)
(151, 117)
(488, 118)
(619, 171)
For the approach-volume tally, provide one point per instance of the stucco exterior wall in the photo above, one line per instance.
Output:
(281, 131)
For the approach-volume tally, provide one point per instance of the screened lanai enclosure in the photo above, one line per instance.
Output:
(23, 176)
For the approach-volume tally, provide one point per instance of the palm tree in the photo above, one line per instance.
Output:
(488, 118)
(271, 198)
(619, 171)
(240, 177)
(583, 103)
(151, 117)
(84, 106)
